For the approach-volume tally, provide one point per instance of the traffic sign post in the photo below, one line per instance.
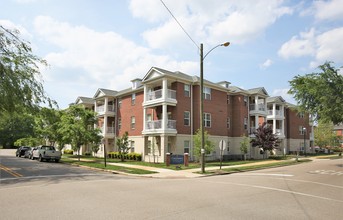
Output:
(222, 146)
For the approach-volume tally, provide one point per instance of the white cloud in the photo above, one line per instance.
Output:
(304, 45)
(266, 64)
(328, 10)
(102, 58)
(211, 22)
(284, 94)
(322, 47)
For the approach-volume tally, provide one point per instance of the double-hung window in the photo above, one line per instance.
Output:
(207, 120)
(187, 90)
(207, 93)
(133, 99)
(186, 145)
(133, 122)
(186, 118)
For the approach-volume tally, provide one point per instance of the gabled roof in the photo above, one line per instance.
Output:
(276, 99)
(104, 92)
(235, 89)
(84, 100)
(155, 73)
(260, 91)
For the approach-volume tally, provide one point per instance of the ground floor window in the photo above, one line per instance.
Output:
(186, 146)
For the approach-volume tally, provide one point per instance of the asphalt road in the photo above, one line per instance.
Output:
(306, 191)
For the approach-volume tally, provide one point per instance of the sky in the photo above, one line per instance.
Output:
(91, 44)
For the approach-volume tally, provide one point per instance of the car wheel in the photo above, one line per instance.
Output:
(40, 159)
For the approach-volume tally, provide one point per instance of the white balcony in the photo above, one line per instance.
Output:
(108, 132)
(278, 114)
(155, 127)
(156, 97)
(101, 109)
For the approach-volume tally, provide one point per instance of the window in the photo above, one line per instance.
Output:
(119, 123)
(186, 118)
(228, 99)
(301, 115)
(245, 100)
(207, 93)
(132, 146)
(133, 122)
(186, 145)
(302, 131)
(133, 99)
(228, 122)
(119, 103)
(245, 123)
(149, 146)
(187, 90)
(207, 120)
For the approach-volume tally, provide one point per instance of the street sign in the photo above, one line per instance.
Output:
(222, 146)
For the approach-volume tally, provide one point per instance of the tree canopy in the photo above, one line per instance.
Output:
(209, 145)
(21, 87)
(320, 94)
(264, 138)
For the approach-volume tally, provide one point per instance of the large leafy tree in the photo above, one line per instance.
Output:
(209, 145)
(21, 87)
(320, 94)
(264, 138)
(47, 125)
(77, 127)
(244, 146)
(324, 135)
(15, 126)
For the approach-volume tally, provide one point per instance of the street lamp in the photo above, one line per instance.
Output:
(202, 57)
(304, 131)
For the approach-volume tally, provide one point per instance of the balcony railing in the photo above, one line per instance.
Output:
(158, 94)
(110, 130)
(153, 125)
(277, 112)
(258, 107)
(101, 108)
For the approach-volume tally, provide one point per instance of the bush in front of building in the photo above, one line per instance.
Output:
(129, 156)
(67, 151)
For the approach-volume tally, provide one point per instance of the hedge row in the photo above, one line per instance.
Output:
(68, 151)
(129, 156)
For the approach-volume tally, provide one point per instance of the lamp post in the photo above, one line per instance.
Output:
(304, 131)
(202, 57)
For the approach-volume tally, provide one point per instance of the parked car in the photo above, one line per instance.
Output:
(27, 152)
(46, 153)
(21, 151)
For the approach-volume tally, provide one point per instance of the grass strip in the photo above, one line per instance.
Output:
(108, 167)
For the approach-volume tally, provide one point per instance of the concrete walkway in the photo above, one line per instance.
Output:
(188, 173)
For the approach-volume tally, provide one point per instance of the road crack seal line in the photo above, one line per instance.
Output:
(8, 170)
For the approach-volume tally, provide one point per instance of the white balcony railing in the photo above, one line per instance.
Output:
(258, 107)
(277, 112)
(153, 125)
(158, 94)
(110, 130)
(101, 108)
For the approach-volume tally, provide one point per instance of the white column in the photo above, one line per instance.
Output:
(256, 121)
(163, 144)
(95, 106)
(274, 126)
(283, 126)
(144, 118)
(274, 110)
(105, 125)
(106, 104)
(145, 94)
(164, 117)
(164, 89)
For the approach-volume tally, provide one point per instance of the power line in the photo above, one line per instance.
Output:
(180, 25)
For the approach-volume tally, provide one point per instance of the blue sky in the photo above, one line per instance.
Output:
(91, 44)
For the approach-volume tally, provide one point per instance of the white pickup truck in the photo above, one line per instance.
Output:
(46, 153)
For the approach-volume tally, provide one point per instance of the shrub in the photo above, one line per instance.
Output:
(68, 151)
(88, 154)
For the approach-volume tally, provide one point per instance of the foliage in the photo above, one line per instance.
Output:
(129, 156)
(15, 126)
(264, 138)
(323, 135)
(244, 146)
(21, 89)
(95, 148)
(30, 142)
(123, 145)
(47, 123)
(320, 94)
(77, 127)
(209, 145)
(67, 151)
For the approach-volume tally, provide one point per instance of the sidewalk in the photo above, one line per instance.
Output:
(188, 173)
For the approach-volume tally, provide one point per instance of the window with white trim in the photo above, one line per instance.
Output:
(245, 123)
(301, 115)
(207, 93)
(133, 99)
(186, 146)
(133, 122)
(228, 122)
(186, 118)
(132, 146)
(187, 90)
(207, 120)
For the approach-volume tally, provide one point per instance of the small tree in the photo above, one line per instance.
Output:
(123, 145)
(244, 146)
(264, 138)
(209, 145)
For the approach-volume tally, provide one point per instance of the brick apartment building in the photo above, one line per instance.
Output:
(160, 112)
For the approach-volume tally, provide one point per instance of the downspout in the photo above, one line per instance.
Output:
(116, 124)
(191, 117)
